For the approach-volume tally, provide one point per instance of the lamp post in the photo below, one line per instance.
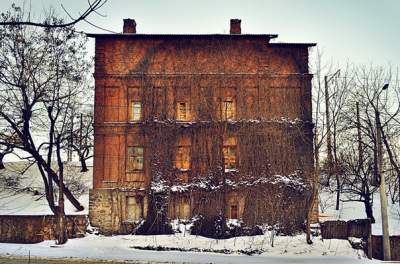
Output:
(382, 186)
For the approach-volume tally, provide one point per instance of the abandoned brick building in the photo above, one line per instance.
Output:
(219, 123)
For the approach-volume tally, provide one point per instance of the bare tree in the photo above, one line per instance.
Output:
(355, 175)
(80, 134)
(369, 103)
(9, 20)
(41, 73)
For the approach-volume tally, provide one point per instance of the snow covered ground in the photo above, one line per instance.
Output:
(355, 210)
(286, 249)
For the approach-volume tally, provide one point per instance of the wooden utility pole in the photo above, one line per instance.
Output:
(328, 129)
(329, 136)
(360, 150)
(80, 133)
(360, 164)
(382, 188)
(69, 153)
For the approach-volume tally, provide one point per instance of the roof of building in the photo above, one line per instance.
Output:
(289, 44)
(194, 36)
(200, 36)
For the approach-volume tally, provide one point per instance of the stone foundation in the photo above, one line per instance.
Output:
(37, 228)
(108, 210)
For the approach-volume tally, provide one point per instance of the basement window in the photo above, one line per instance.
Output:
(135, 159)
(134, 205)
(182, 111)
(136, 110)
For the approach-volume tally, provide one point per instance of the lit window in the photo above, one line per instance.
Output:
(135, 159)
(136, 108)
(229, 152)
(229, 157)
(182, 111)
(228, 110)
(182, 158)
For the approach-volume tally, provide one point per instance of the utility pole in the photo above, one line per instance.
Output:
(328, 129)
(360, 149)
(328, 133)
(80, 133)
(69, 153)
(382, 189)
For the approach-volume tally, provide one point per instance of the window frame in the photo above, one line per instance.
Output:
(178, 111)
(182, 160)
(134, 118)
(130, 168)
(229, 152)
(224, 110)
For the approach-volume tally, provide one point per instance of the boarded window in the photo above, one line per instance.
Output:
(229, 152)
(133, 208)
(136, 110)
(234, 212)
(182, 157)
(228, 109)
(111, 158)
(182, 111)
(135, 159)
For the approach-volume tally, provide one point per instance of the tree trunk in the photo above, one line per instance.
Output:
(62, 237)
(2, 167)
(368, 209)
(83, 164)
(156, 222)
(62, 228)
(52, 175)
(398, 177)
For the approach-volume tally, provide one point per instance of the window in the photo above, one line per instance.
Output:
(136, 108)
(135, 159)
(182, 111)
(134, 206)
(229, 157)
(234, 212)
(228, 109)
(229, 152)
(182, 158)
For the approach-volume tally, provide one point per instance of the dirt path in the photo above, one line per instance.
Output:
(36, 260)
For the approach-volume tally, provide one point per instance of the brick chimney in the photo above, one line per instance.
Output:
(235, 26)
(129, 26)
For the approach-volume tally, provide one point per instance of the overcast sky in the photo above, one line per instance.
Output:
(360, 31)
